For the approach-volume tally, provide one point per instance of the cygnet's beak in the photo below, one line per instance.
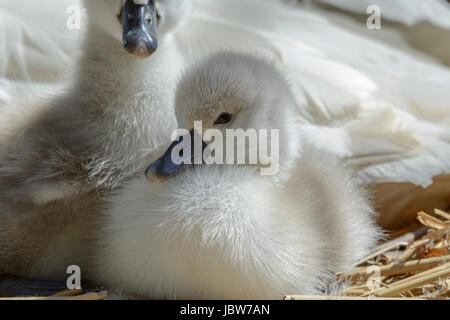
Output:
(166, 166)
(139, 22)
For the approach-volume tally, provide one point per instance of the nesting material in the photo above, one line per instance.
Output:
(67, 295)
(415, 265)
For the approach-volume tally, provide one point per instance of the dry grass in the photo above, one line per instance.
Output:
(415, 265)
(67, 295)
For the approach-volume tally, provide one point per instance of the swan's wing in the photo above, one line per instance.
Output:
(35, 42)
(408, 12)
(37, 49)
(386, 109)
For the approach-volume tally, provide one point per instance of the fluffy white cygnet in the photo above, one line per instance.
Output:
(58, 158)
(226, 231)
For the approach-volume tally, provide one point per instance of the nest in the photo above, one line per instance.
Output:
(415, 265)
(75, 294)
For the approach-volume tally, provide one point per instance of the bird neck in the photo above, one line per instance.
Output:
(109, 74)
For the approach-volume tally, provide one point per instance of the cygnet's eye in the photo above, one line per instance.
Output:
(119, 16)
(158, 16)
(224, 118)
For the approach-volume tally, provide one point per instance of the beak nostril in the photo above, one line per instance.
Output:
(148, 18)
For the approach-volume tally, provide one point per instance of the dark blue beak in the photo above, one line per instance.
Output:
(139, 22)
(166, 167)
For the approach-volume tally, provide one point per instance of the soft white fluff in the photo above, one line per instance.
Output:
(226, 231)
(59, 157)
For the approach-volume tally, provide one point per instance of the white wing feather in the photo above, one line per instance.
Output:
(409, 12)
(386, 109)
(35, 43)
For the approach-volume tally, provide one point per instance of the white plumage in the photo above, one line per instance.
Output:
(225, 231)
(408, 12)
(60, 155)
(35, 43)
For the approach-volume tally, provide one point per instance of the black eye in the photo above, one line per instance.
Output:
(158, 17)
(224, 118)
